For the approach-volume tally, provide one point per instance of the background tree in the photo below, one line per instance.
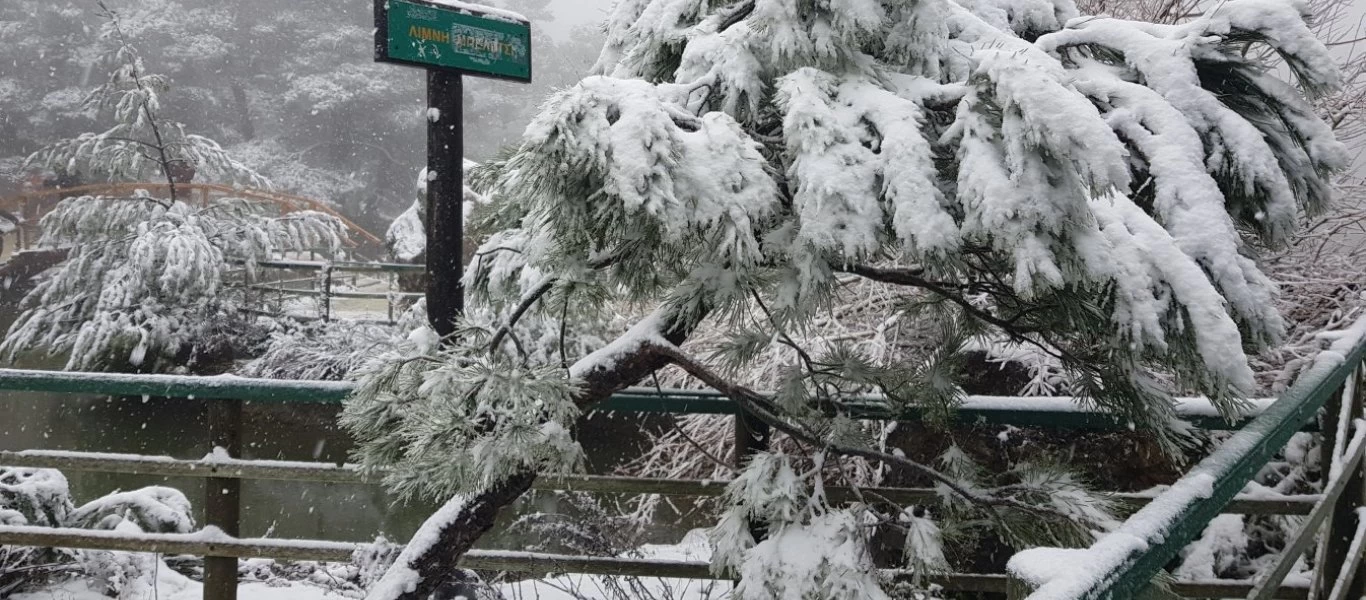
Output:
(1089, 189)
(291, 90)
(142, 286)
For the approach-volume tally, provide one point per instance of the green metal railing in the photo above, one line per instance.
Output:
(1222, 476)
(1122, 564)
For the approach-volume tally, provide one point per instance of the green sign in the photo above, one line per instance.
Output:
(453, 36)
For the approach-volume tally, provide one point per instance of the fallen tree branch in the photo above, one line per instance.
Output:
(453, 530)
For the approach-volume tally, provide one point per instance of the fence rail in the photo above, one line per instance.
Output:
(1186, 506)
(1121, 565)
(136, 464)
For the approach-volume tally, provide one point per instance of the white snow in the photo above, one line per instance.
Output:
(401, 578)
(171, 585)
(501, 14)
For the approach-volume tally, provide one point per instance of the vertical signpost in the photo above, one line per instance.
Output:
(449, 39)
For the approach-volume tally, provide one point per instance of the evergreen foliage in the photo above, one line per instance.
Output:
(1093, 189)
(143, 284)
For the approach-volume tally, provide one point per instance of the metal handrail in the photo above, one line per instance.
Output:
(1053, 412)
(1122, 564)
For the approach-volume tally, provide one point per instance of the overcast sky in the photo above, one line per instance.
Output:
(572, 13)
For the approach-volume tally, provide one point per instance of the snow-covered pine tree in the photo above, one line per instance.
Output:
(142, 287)
(142, 143)
(1093, 189)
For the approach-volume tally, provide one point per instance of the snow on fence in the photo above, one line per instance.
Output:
(225, 396)
(1122, 564)
(321, 287)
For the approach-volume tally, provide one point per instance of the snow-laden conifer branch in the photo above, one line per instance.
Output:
(143, 285)
(142, 143)
(1043, 178)
(757, 405)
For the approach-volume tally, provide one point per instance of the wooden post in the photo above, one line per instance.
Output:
(445, 196)
(1342, 524)
(222, 498)
(1016, 588)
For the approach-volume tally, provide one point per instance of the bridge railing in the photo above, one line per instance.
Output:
(1123, 563)
(224, 469)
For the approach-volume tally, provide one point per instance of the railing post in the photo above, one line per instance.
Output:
(1342, 524)
(1016, 588)
(222, 498)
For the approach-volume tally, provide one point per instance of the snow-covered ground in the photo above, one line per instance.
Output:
(693, 547)
(170, 585)
(173, 586)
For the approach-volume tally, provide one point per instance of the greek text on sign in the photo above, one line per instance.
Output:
(439, 36)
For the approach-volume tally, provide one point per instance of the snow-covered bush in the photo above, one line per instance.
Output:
(41, 497)
(143, 286)
(1011, 175)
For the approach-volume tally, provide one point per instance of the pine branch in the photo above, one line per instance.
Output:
(912, 277)
(160, 146)
(754, 404)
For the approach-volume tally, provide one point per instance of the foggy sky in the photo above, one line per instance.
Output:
(572, 13)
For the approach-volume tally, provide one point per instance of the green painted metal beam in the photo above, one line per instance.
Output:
(173, 386)
(1060, 415)
(1113, 570)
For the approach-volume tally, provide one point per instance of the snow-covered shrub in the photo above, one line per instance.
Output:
(33, 497)
(153, 509)
(143, 287)
(41, 497)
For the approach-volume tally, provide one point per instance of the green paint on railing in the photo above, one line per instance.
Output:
(1229, 468)
(634, 400)
(173, 386)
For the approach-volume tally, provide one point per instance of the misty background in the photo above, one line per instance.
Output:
(289, 88)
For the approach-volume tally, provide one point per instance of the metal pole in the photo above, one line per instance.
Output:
(222, 498)
(445, 194)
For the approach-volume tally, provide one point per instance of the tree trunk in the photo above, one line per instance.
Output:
(454, 538)
(244, 124)
(458, 526)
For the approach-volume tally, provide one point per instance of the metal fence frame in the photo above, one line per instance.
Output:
(1122, 564)
(226, 395)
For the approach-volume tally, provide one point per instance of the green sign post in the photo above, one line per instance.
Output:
(449, 38)
(454, 37)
